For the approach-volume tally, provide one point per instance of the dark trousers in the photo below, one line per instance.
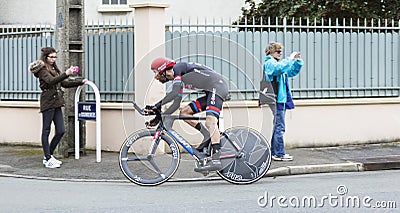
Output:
(52, 115)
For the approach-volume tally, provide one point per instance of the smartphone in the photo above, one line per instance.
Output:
(75, 69)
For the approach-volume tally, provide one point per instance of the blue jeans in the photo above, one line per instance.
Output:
(277, 143)
(52, 115)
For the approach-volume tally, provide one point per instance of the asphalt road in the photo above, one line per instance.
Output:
(329, 192)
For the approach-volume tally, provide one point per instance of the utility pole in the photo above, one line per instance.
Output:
(70, 37)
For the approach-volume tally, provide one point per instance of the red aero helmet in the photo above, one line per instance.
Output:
(161, 64)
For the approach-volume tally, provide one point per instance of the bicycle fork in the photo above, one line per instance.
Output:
(153, 148)
(155, 142)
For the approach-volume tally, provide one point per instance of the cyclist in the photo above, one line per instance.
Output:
(193, 76)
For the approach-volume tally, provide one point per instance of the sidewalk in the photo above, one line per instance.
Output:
(26, 162)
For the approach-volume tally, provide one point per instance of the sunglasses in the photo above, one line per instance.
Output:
(278, 51)
(51, 56)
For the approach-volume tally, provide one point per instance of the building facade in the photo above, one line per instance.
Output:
(30, 12)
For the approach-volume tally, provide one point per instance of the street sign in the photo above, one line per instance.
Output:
(86, 111)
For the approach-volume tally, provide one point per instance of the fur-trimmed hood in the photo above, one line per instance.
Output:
(35, 66)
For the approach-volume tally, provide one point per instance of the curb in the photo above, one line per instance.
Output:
(310, 169)
(61, 179)
(282, 171)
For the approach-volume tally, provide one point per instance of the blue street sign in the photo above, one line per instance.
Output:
(86, 110)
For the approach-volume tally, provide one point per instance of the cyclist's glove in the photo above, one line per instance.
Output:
(153, 122)
(150, 109)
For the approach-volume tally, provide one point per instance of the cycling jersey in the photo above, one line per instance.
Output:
(195, 76)
(200, 77)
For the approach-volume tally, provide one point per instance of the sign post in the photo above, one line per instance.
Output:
(88, 111)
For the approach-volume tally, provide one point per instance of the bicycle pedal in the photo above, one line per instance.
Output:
(205, 173)
(199, 164)
(207, 165)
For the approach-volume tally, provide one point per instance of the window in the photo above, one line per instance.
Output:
(114, 6)
(114, 2)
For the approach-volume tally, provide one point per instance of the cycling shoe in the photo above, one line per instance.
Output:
(209, 164)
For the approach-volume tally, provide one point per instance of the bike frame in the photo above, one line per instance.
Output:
(165, 127)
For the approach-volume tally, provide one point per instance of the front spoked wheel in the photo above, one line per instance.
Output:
(148, 160)
(245, 155)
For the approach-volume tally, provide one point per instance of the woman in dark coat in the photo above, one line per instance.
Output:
(51, 80)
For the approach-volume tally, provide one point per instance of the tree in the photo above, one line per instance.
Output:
(317, 10)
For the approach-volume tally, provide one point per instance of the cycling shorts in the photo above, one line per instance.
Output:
(211, 103)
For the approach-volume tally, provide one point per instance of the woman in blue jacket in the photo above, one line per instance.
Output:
(278, 72)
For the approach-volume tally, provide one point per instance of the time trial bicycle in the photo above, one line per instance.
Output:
(151, 157)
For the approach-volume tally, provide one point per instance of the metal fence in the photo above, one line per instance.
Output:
(360, 61)
(19, 46)
(340, 61)
(109, 59)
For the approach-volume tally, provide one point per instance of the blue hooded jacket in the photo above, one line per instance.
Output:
(282, 70)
